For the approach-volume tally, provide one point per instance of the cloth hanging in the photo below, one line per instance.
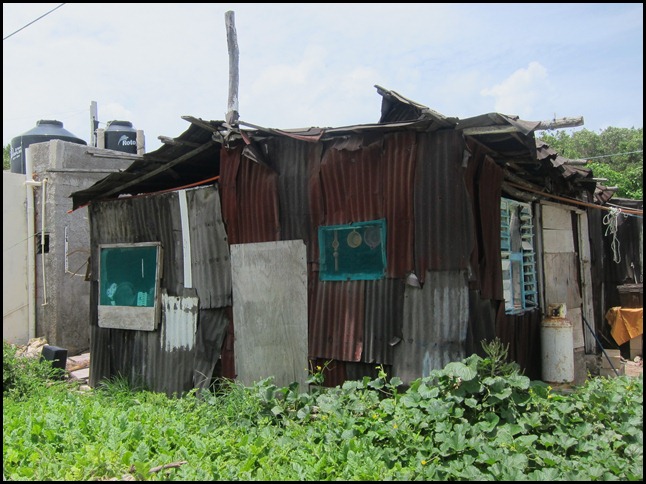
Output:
(625, 323)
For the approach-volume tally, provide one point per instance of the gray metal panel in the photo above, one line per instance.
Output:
(210, 258)
(153, 218)
(164, 360)
(270, 311)
(435, 325)
(382, 326)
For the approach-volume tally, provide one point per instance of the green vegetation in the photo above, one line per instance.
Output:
(6, 157)
(613, 153)
(478, 419)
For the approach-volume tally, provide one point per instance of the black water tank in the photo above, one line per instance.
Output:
(121, 136)
(45, 130)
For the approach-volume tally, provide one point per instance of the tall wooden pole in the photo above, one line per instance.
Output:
(232, 43)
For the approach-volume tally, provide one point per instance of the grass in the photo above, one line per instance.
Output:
(478, 419)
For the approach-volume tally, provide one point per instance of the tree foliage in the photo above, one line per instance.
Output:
(613, 153)
(6, 157)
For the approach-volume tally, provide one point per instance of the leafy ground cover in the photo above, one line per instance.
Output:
(477, 419)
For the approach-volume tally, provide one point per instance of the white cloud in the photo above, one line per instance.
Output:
(520, 93)
(316, 64)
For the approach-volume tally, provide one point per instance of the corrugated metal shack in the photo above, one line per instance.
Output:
(240, 299)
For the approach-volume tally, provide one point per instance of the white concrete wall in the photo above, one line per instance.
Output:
(15, 308)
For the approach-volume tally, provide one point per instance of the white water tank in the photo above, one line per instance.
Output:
(557, 346)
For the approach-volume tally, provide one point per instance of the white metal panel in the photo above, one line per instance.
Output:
(186, 238)
(15, 301)
(179, 321)
(270, 311)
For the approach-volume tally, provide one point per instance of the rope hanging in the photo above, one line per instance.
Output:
(611, 221)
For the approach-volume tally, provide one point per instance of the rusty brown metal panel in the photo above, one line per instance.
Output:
(484, 180)
(336, 315)
(292, 160)
(443, 216)
(229, 166)
(522, 333)
(382, 327)
(257, 204)
(399, 157)
(210, 260)
(435, 324)
(352, 179)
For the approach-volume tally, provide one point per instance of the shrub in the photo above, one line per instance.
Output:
(23, 375)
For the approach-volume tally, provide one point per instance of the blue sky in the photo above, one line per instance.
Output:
(307, 65)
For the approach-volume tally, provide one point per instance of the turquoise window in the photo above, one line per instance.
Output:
(129, 274)
(355, 251)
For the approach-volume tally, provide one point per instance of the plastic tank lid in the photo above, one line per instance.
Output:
(50, 127)
(110, 124)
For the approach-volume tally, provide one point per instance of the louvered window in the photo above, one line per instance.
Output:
(518, 256)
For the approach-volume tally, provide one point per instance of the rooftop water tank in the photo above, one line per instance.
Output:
(45, 130)
(121, 136)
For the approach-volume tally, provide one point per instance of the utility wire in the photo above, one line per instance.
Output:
(5, 38)
(616, 154)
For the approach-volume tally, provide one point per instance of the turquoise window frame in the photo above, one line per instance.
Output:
(354, 244)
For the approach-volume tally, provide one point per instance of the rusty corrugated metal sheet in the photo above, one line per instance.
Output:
(435, 323)
(484, 181)
(482, 323)
(382, 326)
(363, 180)
(210, 259)
(229, 165)
(336, 315)
(352, 179)
(249, 199)
(443, 218)
(523, 335)
(399, 158)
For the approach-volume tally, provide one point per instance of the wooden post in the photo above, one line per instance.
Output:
(560, 123)
(232, 42)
